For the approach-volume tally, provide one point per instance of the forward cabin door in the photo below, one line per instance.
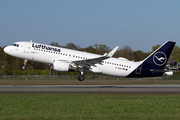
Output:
(27, 47)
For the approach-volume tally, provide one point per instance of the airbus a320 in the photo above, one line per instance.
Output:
(65, 60)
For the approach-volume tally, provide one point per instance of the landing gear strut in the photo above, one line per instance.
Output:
(25, 63)
(81, 77)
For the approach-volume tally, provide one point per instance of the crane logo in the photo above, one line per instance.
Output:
(159, 58)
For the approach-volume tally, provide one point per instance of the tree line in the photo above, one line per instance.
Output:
(13, 66)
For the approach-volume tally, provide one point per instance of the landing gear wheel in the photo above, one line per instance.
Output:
(81, 78)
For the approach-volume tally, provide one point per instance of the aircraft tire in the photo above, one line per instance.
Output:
(23, 68)
(81, 78)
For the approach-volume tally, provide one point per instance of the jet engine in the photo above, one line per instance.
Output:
(61, 66)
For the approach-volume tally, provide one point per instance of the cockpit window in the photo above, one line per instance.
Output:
(16, 45)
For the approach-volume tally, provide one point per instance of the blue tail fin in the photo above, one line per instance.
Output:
(158, 59)
(154, 62)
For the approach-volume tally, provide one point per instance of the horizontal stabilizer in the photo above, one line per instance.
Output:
(160, 71)
(165, 72)
(168, 73)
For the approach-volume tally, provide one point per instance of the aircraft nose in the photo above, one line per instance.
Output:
(7, 50)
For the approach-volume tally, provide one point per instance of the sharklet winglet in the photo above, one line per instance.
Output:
(110, 54)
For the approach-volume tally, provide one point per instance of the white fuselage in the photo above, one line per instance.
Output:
(47, 54)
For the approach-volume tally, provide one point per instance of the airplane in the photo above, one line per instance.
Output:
(64, 60)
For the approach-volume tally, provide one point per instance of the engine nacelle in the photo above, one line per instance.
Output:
(61, 66)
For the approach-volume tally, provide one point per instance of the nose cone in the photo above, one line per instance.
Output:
(7, 50)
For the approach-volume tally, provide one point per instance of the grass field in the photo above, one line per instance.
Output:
(89, 106)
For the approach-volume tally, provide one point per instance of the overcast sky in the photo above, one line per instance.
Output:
(140, 24)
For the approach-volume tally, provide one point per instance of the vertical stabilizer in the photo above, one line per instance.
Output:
(154, 62)
(159, 58)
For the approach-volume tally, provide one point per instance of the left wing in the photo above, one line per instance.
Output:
(91, 62)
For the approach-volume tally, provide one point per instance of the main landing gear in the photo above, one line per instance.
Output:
(81, 77)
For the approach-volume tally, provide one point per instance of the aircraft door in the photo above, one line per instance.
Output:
(138, 70)
(27, 47)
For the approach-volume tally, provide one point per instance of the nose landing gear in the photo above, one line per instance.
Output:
(25, 63)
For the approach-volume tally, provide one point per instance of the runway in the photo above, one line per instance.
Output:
(89, 88)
